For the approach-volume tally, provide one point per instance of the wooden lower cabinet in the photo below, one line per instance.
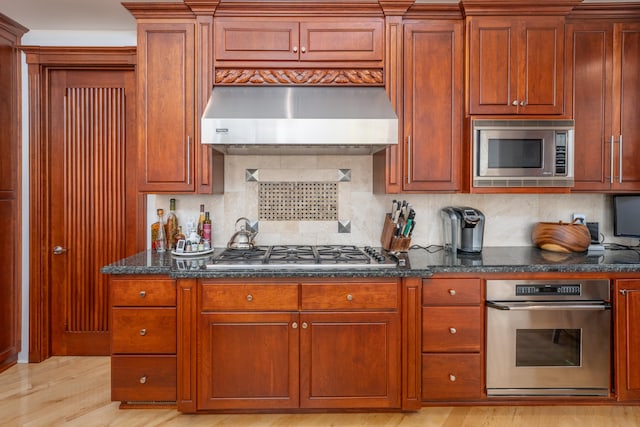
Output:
(451, 376)
(248, 361)
(329, 352)
(143, 339)
(349, 360)
(452, 336)
(143, 378)
(627, 339)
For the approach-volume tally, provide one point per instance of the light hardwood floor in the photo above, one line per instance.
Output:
(74, 391)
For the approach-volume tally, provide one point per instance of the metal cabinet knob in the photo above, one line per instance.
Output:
(349, 297)
(143, 332)
(143, 294)
(452, 330)
(59, 250)
(304, 325)
(515, 103)
(143, 379)
(452, 377)
(249, 297)
(303, 50)
(294, 325)
(452, 292)
(522, 103)
(295, 49)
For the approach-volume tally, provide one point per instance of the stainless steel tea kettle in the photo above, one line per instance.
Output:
(243, 237)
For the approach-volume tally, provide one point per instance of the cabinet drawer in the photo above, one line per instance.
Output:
(451, 329)
(451, 291)
(250, 297)
(349, 296)
(143, 330)
(451, 376)
(152, 292)
(143, 378)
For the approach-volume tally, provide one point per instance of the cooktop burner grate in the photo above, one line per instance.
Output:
(302, 256)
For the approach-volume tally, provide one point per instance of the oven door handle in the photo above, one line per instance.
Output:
(556, 305)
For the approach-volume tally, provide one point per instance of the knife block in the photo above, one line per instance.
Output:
(390, 241)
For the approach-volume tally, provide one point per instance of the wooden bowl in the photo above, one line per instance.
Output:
(561, 236)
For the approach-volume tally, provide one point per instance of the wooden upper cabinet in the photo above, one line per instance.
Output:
(284, 39)
(605, 92)
(516, 65)
(433, 105)
(166, 108)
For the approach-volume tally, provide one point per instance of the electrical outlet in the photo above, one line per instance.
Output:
(582, 218)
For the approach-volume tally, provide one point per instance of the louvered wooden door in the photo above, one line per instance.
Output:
(91, 115)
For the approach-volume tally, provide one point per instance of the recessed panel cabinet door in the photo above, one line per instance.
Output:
(166, 118)
(516, 65)
(433, 106)
(350, 360)
(605, 90)
(248, 361)
(627, 339)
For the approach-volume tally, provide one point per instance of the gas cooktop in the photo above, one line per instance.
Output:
(303, 256)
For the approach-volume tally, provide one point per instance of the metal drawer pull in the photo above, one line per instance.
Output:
(452, 330)
(452, 292)
(452, 377)
(143, 379)
(304, 325)
(143, 294)
(294, 325)
(143, 332)
(349, 297)
(249, 297)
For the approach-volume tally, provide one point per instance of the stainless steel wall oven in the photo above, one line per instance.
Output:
(548, 338)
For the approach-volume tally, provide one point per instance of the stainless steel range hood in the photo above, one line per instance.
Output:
(299, 120)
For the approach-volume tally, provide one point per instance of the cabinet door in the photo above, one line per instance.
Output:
(493, 66)
(433, 105)
(349, 39)
(590, 53)
(627, 90)
(350, 360)
(541, 66)
(248, 361)
(166, 115)
(627, 339)
(241, 39)
(516, 65)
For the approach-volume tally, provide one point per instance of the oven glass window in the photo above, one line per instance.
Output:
(515, 153)
(548, 347)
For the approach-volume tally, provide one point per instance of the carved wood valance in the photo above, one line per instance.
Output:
(346, 77)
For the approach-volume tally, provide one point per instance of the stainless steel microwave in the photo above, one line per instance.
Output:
(523, 153)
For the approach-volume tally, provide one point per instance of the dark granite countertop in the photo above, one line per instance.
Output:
(421, 263)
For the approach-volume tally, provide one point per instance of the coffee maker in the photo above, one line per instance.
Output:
(463, 229)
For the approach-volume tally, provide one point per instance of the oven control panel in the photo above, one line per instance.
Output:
(541, 290)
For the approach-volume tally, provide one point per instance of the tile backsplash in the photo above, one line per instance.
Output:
(360, 213)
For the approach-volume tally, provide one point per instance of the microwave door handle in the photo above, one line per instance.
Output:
(533, 306)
